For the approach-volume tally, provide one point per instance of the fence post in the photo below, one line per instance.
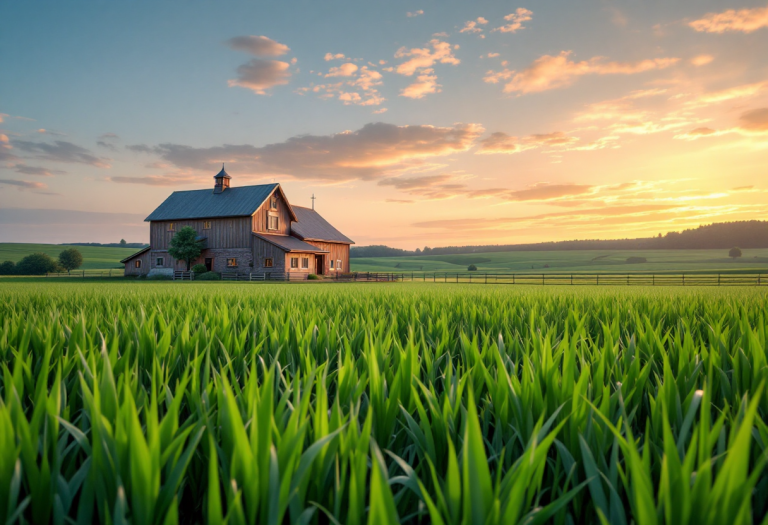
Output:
(571, 279)
(597, 283)
(542, 279)
(718, 279)
(457, 276)
(486, 279)
(683, 279)
(653, 280)
(627, 279)
(513, 278)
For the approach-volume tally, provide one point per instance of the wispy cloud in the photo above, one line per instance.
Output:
(347, 69)
(500, 142)
(473, 26)
(743, 20)
(61, 151)
(515, 20)
(36, 171)
(369, 153)
(24, 185)
(330, 56)
(552, 72)
(425, 84)
(423, 58)
(412, 14)
(360, 89)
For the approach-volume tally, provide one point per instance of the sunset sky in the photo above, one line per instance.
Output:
(413, 123)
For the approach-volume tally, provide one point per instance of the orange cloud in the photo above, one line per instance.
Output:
(744, 20)
(515, 20)
(345, 70)
(552, 72)
(372, 152)
(412, 14)
(425, 84)
(500, 142)
(472, 26)
(338, 56)
(702, 60)
(724, 95)
(423, 58)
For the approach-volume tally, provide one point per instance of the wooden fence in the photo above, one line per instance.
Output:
(86, 274)
(571, 279)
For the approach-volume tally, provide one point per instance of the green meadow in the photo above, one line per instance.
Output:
(581, 261)
(164, 403)
(94, 257)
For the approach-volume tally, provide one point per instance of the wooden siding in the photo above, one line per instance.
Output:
(260, 217)
(265, 250)
(232, 232)
(130, 265)
(300, 256)
(337, 252)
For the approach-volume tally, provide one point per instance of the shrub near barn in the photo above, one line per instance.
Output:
(36, 264)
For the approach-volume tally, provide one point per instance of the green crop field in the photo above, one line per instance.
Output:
(163, 403)
(660, 261)
(94, 257)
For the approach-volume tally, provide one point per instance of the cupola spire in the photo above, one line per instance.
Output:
(221, 180)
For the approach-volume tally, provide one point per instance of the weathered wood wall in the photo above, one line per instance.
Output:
(260, 221)
(130, 265)
(230, 232)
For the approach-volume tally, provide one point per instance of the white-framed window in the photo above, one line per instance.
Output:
(294, 262)
(171, 226)
(137, 263)
(305, 263)
(273, 222)
(232, 263)
(160, 261)
(332, 264)
(206, 225)
(268, 262)
(338, 265)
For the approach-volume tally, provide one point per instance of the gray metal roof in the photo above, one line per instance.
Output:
(134, 255)
(201, 204)
(289, 243)
(312, 226)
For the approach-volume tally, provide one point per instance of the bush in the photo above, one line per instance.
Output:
(36, 264)
(313, 277)
(70, 259)
(636, 260)
(160, 277)
(199, 268)
(7, 268)
(208, 276)
(471, 268)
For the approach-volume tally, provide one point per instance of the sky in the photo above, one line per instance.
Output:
(419, 123)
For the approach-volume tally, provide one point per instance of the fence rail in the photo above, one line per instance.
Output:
(574, 279)
(86, 274)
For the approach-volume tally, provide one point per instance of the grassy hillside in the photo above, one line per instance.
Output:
(94, 257)
(572, 261)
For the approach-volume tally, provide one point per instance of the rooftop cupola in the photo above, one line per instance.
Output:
(221, 180)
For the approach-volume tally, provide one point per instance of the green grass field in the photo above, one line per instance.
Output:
(672, 261)
(94, 257)
(163, 403)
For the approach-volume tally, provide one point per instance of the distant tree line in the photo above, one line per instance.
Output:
(121, 244)
(721, 235)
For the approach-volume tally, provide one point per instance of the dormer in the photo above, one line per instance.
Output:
(221, 181)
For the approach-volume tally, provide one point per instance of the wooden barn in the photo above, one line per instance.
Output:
(248, 229)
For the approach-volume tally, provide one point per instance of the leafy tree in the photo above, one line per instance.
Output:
(734, 253)
(71, 259)
(471, 268)
(123, 243)
(7, 268)
(199, 268)
(36, 264)
(184, 246)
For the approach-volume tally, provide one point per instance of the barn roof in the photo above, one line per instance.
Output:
(201, 204)
(135, 255)
(289, 243)
(312, 227)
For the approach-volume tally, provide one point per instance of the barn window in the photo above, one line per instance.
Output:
(171, 226)
(338, 265)
(232, 263)
(268, 263)
(160, 261)
(305, 263)
(137, 263)
(273, 204)
(331, 264)
(294, 262)
(206, 225)
(274, 222)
